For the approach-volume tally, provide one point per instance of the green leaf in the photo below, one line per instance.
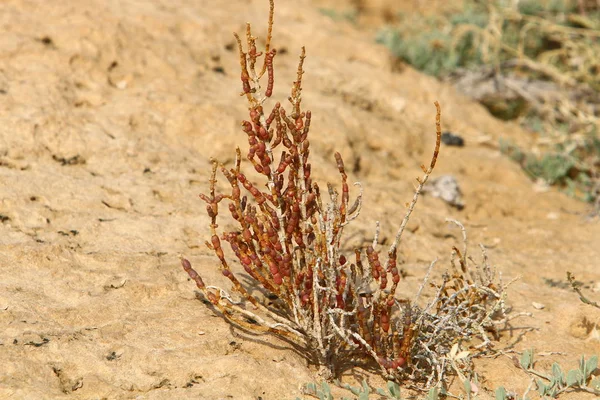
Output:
(363, 396)
(573, 377)
(326, 395)
(366, 387)
(355, 391)
(595, 383)
(394, 389)
(433, 394)
(311, 388)
(558, 376)
(527, 359)
(583, 371)
(542, 388)
(556, 371)
(590, 366)
(467, 386)
(381, 392)
(501, 393)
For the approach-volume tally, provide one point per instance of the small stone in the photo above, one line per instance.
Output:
(121, 84)
(540, 186)
(398, 104)
(446, 188)
(538, 306)
(552, 215)
(451, 139)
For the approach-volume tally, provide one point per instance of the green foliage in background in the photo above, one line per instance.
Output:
(490, 33)
(570, 167)
(540, 41)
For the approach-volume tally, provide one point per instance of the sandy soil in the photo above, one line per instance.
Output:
(110, 113)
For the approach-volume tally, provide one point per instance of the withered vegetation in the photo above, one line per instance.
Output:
(337, 307)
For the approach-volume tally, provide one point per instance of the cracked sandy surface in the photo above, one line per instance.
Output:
(110, 113)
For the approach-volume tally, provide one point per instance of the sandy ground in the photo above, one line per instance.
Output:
(110, 113)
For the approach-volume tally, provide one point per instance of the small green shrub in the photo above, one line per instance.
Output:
(553, 383)
(573, 167)
(392, 391)
(549, 384)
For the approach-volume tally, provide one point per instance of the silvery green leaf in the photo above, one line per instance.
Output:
(394, 389)
(573, 377)
(501, 393)
(591, 365)
(432, 394)
(310, 388)
(366, 387)
(527, 359)
(542, 388)
(326, 391)
(354, 390)
(558, 376)
(467, 386)
(556, 371)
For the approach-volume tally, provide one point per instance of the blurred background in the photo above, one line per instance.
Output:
(536, 62)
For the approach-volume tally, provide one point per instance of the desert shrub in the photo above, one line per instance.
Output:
(340, 309)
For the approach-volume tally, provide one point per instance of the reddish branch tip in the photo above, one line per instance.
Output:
(187, 266)
(271, 77)
(438, 131)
